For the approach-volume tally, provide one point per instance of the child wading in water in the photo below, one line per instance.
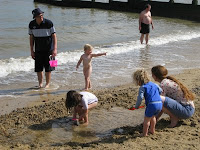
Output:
(151, 92)
(87, 66)
(82, 103)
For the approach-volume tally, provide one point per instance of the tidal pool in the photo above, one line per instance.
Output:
(101, 124)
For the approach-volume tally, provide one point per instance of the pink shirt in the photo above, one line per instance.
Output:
(171, 89)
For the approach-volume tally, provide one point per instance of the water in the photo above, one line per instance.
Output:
(102, 123)
(173, 43)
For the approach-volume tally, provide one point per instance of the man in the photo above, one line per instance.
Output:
(43, 38)
(144, 22)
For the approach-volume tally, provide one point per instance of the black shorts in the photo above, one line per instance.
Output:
(145, 29)
(42, 61)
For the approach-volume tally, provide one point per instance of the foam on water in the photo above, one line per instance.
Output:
(15, 65)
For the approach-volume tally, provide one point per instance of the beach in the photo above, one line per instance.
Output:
(18, 125)
(32, 118)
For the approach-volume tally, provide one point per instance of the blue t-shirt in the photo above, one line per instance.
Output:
(150, 91)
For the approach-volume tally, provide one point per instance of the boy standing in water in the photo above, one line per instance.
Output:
(87, 66)
(144, 22)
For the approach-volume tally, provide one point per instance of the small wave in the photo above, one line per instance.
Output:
(13, 96)
(14, 65)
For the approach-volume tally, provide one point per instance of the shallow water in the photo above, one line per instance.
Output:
(102, 123)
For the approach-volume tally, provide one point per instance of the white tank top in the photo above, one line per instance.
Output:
(87, 99)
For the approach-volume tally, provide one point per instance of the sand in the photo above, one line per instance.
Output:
(41, 114)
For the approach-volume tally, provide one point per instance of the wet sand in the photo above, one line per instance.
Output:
(41, 115)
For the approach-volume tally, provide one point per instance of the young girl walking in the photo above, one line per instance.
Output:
(87, 65)
(151, 92)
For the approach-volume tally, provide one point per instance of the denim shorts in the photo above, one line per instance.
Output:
(153, 109)
(179, 110)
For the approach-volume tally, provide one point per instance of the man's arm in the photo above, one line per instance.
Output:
(31, 38)
(140, 20)
(54, 53)
(151, 21)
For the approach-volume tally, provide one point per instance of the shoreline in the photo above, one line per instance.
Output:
(184, 136)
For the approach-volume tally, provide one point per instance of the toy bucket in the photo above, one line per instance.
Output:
(53, 63)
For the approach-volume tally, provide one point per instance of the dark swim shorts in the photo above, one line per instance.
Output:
(144, 28)
(42, 61)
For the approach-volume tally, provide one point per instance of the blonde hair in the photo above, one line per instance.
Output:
(141, 77)
(87, 46)
(161, 73)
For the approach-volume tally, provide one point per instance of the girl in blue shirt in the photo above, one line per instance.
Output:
(151, 93)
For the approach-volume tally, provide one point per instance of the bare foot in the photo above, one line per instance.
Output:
(47, 86)
(86, 89)
(85, 124)
(173, 123)
(150, 132)
(40, 86)
(142, 135)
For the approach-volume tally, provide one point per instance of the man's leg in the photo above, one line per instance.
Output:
(40, 78)
(141, 38)
(147, 38)
(48, 79)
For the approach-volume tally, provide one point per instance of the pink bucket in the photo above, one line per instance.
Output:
(53, 63)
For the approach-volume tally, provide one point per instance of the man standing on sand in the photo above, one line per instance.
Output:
(43, 37)
(144, 22)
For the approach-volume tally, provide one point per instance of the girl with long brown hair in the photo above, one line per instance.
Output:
(177, 99)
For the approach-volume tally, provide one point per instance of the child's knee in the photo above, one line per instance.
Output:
(87, 78)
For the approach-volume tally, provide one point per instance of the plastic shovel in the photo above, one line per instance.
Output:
(133, 108)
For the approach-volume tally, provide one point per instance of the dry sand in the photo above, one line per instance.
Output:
(185, 136)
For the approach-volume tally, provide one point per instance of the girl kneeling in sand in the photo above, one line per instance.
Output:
(178, 102)
(82, 103)
(151, 92)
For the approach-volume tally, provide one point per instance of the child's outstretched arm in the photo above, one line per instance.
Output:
(99, 54)
(140, 97)
(79, 62)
